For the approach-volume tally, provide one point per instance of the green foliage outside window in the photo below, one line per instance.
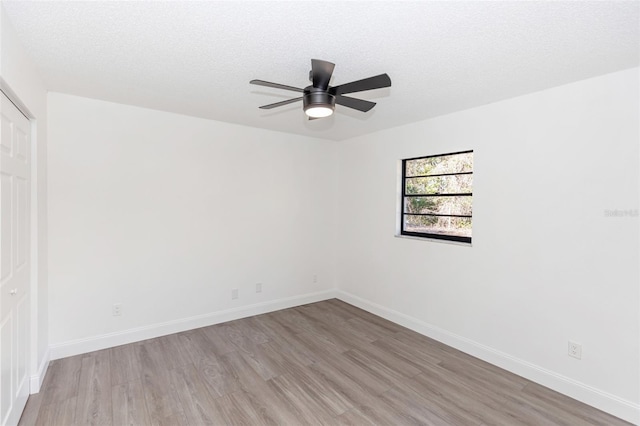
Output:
(438, 195)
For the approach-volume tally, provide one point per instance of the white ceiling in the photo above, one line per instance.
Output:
(196, 58)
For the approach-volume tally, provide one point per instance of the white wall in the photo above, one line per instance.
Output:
(167, 213)
(20, 79)
(546, 265)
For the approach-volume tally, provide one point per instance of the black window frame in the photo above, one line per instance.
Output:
(427, 235)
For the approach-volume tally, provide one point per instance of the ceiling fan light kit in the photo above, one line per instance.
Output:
(319, 99)
(318, 103)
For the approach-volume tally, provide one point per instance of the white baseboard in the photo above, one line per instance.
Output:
(35, 381)
(90, 344)
(604, 401)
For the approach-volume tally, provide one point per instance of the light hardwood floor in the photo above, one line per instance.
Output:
(323, 363)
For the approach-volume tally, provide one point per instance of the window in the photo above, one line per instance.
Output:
(437, 196)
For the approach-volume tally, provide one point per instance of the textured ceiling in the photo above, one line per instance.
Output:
(196, 58)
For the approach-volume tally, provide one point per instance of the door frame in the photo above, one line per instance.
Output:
(37, 369)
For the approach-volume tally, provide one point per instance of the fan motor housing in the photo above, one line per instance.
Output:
(314, 97)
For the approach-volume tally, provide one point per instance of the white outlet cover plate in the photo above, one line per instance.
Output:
(575, 350)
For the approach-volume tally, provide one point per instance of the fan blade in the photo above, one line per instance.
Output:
(275, 85)
(370, 83)
(321, 72)
(359, 104)
(278, 104)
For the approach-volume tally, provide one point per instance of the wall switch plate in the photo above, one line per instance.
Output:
(259, 288)
(575, 350)
(234, 293)
(116, 309)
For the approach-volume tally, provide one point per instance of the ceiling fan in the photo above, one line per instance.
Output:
(319, 99)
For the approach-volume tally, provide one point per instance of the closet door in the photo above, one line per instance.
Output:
(14, 261)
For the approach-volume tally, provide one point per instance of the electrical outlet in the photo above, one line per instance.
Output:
(315, 279)
(258, 287)
(234, 293)
(116, 309)
(575, 350)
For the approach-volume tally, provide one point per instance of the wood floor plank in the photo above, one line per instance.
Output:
(536, 410)
(381, 413)
(196, 344)
(31, 410)
(421, 346)
(59, 413)
(356, 392)
(353, 417)
(61, 381)
(318, 345)
(258, 392)
(408, 353)
(367, 316)
(337, 333)
(263, 365)
(239, 341)
(217, 376)
(175, 354)
(486, 404)
(253, 334)
(332, 400)
(378, 369)
(337, 309)
(293, 320)
(285, 340)
(268, 326)
(455, 357)
(237, 409)
(196, 401)
(125, 365)
(324, 363)
(393, 361)
(475, 373)
(425, 410)
(94, 392)
(536, 414)
(283, 321)
(129, 407)
(328, 317)
(366, 329)
(536, 393)
(160, 397)
(306, 409)
(280, 356)
(220, 344)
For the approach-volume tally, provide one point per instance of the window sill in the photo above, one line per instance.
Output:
(434, 240)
